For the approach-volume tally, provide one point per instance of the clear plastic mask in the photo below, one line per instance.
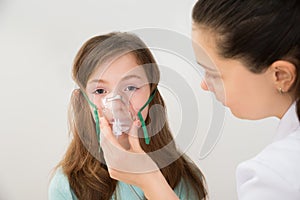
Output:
(119, 115)
(118, 111)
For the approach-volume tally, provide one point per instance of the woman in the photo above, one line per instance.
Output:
(118, 78)
(255, 48)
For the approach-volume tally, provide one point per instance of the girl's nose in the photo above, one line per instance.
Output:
(204, 85)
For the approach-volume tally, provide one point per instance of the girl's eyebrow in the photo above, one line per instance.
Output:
(98, 81)
(130, 77)
(123, 79)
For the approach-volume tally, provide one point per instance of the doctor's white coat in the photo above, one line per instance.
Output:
(274, 174)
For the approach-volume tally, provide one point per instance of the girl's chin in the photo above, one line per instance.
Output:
(124, 135)
(123, 140)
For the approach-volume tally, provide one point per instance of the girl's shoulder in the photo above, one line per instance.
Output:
(59, 187)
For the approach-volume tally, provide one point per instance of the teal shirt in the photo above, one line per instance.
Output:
(59, 189)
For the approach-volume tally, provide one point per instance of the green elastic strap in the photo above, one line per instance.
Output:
(96, 116)
(146, 135)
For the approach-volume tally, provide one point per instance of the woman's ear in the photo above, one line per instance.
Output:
(284, 75)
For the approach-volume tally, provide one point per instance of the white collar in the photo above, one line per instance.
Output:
(288, 123)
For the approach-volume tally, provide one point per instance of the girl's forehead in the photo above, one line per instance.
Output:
(118, 64)
(119, 72)
(122, 69)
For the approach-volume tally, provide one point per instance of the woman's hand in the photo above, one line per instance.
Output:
(133, 166)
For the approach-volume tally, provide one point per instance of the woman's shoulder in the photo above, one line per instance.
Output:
(268, 179)
(282, 155)
(278, 163)
(59, 187)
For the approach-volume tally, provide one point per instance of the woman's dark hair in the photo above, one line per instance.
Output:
(258, 32)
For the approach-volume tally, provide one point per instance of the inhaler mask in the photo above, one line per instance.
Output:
(118, 111)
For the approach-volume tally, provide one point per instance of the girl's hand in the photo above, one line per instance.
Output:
(133, 166)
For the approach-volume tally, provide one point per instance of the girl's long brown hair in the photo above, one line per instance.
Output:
(88, 177)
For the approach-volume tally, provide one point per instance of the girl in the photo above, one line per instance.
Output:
(118, 78)
(255, 48)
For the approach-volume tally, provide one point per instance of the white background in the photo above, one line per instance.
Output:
(38, 42)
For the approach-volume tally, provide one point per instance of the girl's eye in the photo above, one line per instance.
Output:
(100, 91)
(131, 88)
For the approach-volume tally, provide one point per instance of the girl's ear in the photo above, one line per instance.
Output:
(284, 75)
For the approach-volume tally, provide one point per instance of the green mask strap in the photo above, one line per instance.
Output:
(96, 116)
(146, 135)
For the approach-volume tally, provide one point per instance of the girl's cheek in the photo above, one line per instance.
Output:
(95, 99)
(145, 113)
(138, 104)
(139, 98)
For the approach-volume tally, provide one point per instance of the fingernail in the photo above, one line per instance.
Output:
(137, 123)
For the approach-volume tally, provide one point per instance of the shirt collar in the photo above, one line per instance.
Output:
(288, 123)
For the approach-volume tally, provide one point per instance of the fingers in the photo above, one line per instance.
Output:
(108, 136)
(106, 133)
(133, 137)
(109, 143)
(117, 158)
